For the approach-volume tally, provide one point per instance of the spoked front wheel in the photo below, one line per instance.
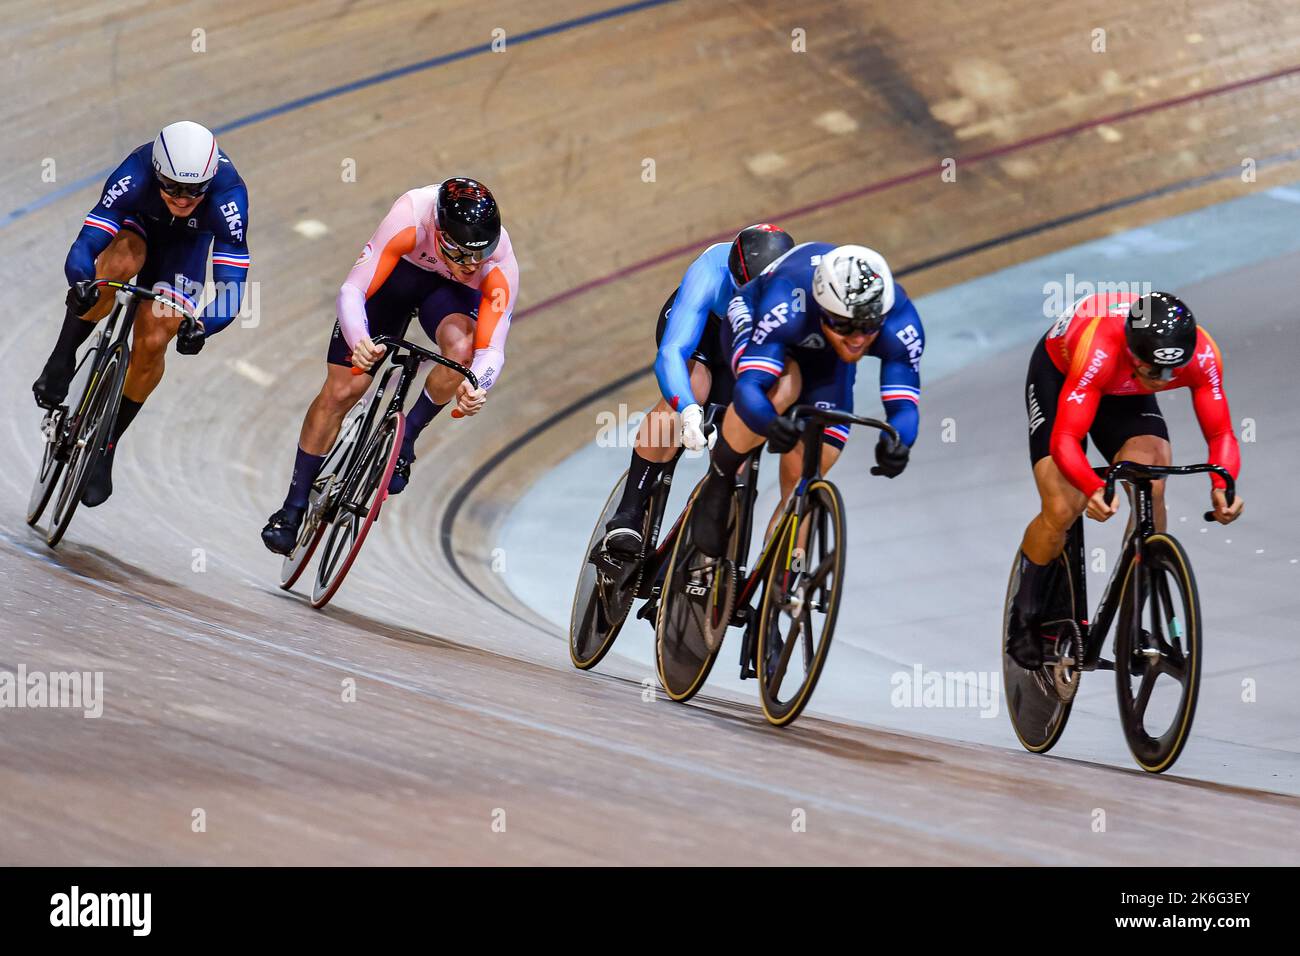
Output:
(1158, 653)
(801, 600)
(90, 435)
(320, 498)
(51, 467)
(695, 606)
(365, 486)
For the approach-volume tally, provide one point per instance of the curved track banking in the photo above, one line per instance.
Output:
(224, 694)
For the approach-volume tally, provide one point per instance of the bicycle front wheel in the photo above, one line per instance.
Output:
(1158, 653)
(90, 435)
(695, 607)
(801, 600)
(320, 498)
(364, 489)
(604, 594)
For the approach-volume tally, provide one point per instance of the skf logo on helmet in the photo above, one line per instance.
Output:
(1169, 356)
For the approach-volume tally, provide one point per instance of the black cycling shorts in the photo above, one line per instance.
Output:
(1119, 417)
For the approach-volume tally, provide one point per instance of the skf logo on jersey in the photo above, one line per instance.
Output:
(1168, 356)
(234, 220)
(772, 320)
(116, 191)
(911, 339)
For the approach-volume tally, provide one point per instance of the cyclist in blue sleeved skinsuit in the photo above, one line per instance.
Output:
(819, 310)
(160, 211)
(692, 368)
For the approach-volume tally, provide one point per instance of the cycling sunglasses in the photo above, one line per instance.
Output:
(457, 253)
(182, 190)
(848, 324)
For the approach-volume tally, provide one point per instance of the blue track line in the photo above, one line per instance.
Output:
(97, 177)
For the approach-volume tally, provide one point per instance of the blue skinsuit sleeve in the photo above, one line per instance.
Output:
(103, 222)
(764, 358)
(682, 333)
(229, 261)
(900, 376)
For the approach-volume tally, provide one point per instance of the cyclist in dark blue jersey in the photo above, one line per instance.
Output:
(816, 312)
(692, 367)
(161, 210)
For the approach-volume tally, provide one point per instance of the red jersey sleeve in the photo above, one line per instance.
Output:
(1094, 360)
(1211, 404)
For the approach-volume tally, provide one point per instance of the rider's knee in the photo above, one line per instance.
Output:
(460, 349)
(658, 428)
(149, 341)
(123, 258)
(1059, 512)
(340, 393)
(1147, 449)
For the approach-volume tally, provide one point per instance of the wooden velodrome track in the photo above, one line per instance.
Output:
(223, 694)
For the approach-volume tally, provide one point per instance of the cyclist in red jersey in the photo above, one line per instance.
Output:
(1096, 373)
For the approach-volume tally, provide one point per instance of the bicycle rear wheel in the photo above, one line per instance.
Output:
(605, 592)
(1158, 653)
(90, 435)
(365, 486)
(801, 600)
(695, 607)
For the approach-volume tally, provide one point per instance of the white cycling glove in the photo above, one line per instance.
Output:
(692, 436)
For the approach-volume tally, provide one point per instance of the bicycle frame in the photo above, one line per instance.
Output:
(406, 358)
(1139, 478)
(127, 299)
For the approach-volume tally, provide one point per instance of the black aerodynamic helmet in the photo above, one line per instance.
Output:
(468, 216)
(1161, 332)
(755, 248)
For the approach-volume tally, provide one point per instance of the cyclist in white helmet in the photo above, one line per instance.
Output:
(160, 212)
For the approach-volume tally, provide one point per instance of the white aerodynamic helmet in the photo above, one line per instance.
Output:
(854, 288)
(185, 153)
